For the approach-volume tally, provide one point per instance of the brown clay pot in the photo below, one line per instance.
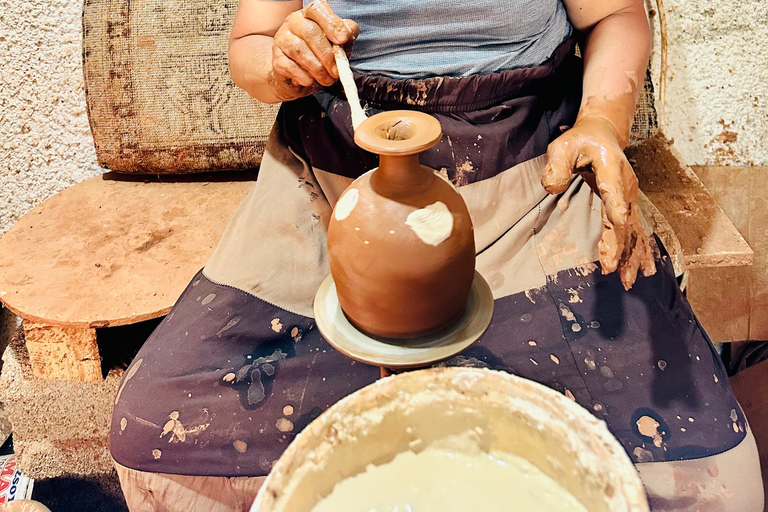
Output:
(400, 241)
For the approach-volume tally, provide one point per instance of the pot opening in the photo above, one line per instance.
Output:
(400, 129)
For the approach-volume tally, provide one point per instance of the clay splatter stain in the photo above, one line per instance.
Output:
(208, 299)
(284, 425)
(721, 147)
(178, 433)
(532, 343)
(642, 455)
(240, 446)
(566, 313)
(569, 394)
(607, 372)
(157, 453)
(276, 325)
(574, 296)
(123, 424)
(128, 376)
(590, 362)
(662, 365)
(229, 325)
(296, 334)
(554, 358)
(287, 410)
(255, 374)
(649, 427)
(462, 171)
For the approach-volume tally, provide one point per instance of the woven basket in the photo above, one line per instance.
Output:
(160, 99)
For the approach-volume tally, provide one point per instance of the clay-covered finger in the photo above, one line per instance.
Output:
(629, 265)
(297, 49)
(333, 26)
(354, 29)
(559, 170)
(610, 183)
(287, 68)
(315, 39)
(647, 260)
(611, 245)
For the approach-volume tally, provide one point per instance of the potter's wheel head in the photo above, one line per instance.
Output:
(398, 353)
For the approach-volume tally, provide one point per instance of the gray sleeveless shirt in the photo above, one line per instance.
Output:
(423, 38)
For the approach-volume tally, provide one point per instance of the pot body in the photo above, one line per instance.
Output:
(401, 251)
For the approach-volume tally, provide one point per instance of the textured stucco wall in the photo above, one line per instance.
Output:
(45, 141)
(716, 106)
(716, 103)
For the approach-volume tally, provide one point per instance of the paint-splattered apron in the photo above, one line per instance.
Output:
(237, 369)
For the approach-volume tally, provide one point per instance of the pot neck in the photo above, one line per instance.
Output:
(400, 176)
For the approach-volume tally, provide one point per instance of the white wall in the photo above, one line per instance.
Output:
(45, 141)
(716, 106)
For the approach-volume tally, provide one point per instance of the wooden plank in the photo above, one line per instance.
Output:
(758, 237)
(62, 353)
(751, 389)
(115, 250)
(721, 297)
(708, 238)
(731, 188)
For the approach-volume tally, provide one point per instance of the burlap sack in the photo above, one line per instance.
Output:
(646, 122)
(160, 99)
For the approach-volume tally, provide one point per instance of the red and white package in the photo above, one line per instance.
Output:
(13, 484)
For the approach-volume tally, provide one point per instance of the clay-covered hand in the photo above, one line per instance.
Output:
(302, 52)
(593, 149)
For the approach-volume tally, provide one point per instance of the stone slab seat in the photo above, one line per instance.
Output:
(110, 251)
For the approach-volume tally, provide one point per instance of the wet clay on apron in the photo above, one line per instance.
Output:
(400, 241)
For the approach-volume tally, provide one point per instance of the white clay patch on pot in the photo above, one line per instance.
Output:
(433, 224)
(346, 204)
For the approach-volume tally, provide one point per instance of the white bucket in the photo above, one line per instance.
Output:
(414, 410)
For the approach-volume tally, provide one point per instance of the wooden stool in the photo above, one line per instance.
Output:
(110, 251)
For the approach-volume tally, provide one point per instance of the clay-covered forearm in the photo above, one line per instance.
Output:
(250, 65)
(616, 58)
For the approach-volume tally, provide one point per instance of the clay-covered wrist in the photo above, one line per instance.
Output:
(601, 127)
(615, 116)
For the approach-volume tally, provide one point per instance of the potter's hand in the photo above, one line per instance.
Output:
(593, 148)
(302, 52)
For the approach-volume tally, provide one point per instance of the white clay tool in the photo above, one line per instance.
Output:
(349, 86)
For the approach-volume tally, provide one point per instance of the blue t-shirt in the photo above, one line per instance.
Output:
(424, 38)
